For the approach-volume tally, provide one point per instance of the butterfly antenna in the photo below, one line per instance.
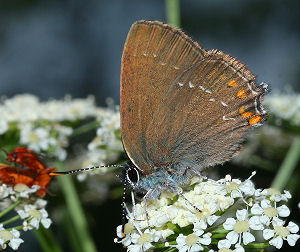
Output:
(123, 203)
(82, 169)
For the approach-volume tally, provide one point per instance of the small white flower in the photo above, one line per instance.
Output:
(280, 233)
(10, 237)
(142, 242)
(35, 216)
(192, 242)
(129, 229)
(23, 190)
(36, 139)
(199, 227)
(265, 212)
(240, 228)
(275, 194)
(224, 246)
(5, 191)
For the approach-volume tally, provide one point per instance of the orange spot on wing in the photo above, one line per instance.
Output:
(242, 109)
(241, 94)
(232, 83)
(247, 114)
(255, 119)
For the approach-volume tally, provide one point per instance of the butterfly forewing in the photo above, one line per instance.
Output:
(154, 54)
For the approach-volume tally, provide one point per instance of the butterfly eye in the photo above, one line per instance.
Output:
(132, 176)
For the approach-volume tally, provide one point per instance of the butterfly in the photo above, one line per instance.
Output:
(182, 108)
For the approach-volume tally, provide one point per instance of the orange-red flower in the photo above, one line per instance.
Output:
(30, 170)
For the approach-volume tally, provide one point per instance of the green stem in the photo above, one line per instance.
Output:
(11, 207)
(257, 245)
(46, 240)
(76, 212)
(173, 12)
(288, 165)
(85, 128)
(69, 228)
(19, 228)
(12, 219)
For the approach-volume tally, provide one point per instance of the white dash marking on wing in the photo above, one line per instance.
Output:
(202, 88)
(224, 104)
(145, 54)
(208, 91)
(154, 55)
(191, 84)
(227, 119)
(180, 84)
(162, 63)
(175, 67)
(212, 99)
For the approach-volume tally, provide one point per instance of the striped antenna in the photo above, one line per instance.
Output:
(83, 169)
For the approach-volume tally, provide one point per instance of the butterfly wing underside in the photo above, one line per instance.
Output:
(154, 54)
(182, 105)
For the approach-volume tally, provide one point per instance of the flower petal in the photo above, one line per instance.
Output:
(265, 203)
(292, 227)
(212, 219)
(248, 237)
(205, 240)
(256, 209)
(15, 243)
(268, 233)
(224, 244)
(255, 224)
(180, 239)
(196, 248)
(239, 248)
(232, 237)
(277, 242)
(264, 220)
(283, 211)
(229, 223)
(292, 238)
(241, 214)
(134, 248)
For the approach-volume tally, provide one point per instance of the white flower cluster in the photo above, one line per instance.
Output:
(173, 221)
(107, 145)
(285, 106)
(32, 213)
(41, 124)
(10, 238)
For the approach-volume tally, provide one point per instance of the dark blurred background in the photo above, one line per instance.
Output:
(53, 47)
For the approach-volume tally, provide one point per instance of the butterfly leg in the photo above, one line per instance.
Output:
(147, 195)
(190, 203)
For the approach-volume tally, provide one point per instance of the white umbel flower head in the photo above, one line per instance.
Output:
(224, 246)
(129, 230)
(10, 237)
(280, 233)
(265, 212)
(240, 228)
(142, 242)
(35, 216)
(192, 242)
